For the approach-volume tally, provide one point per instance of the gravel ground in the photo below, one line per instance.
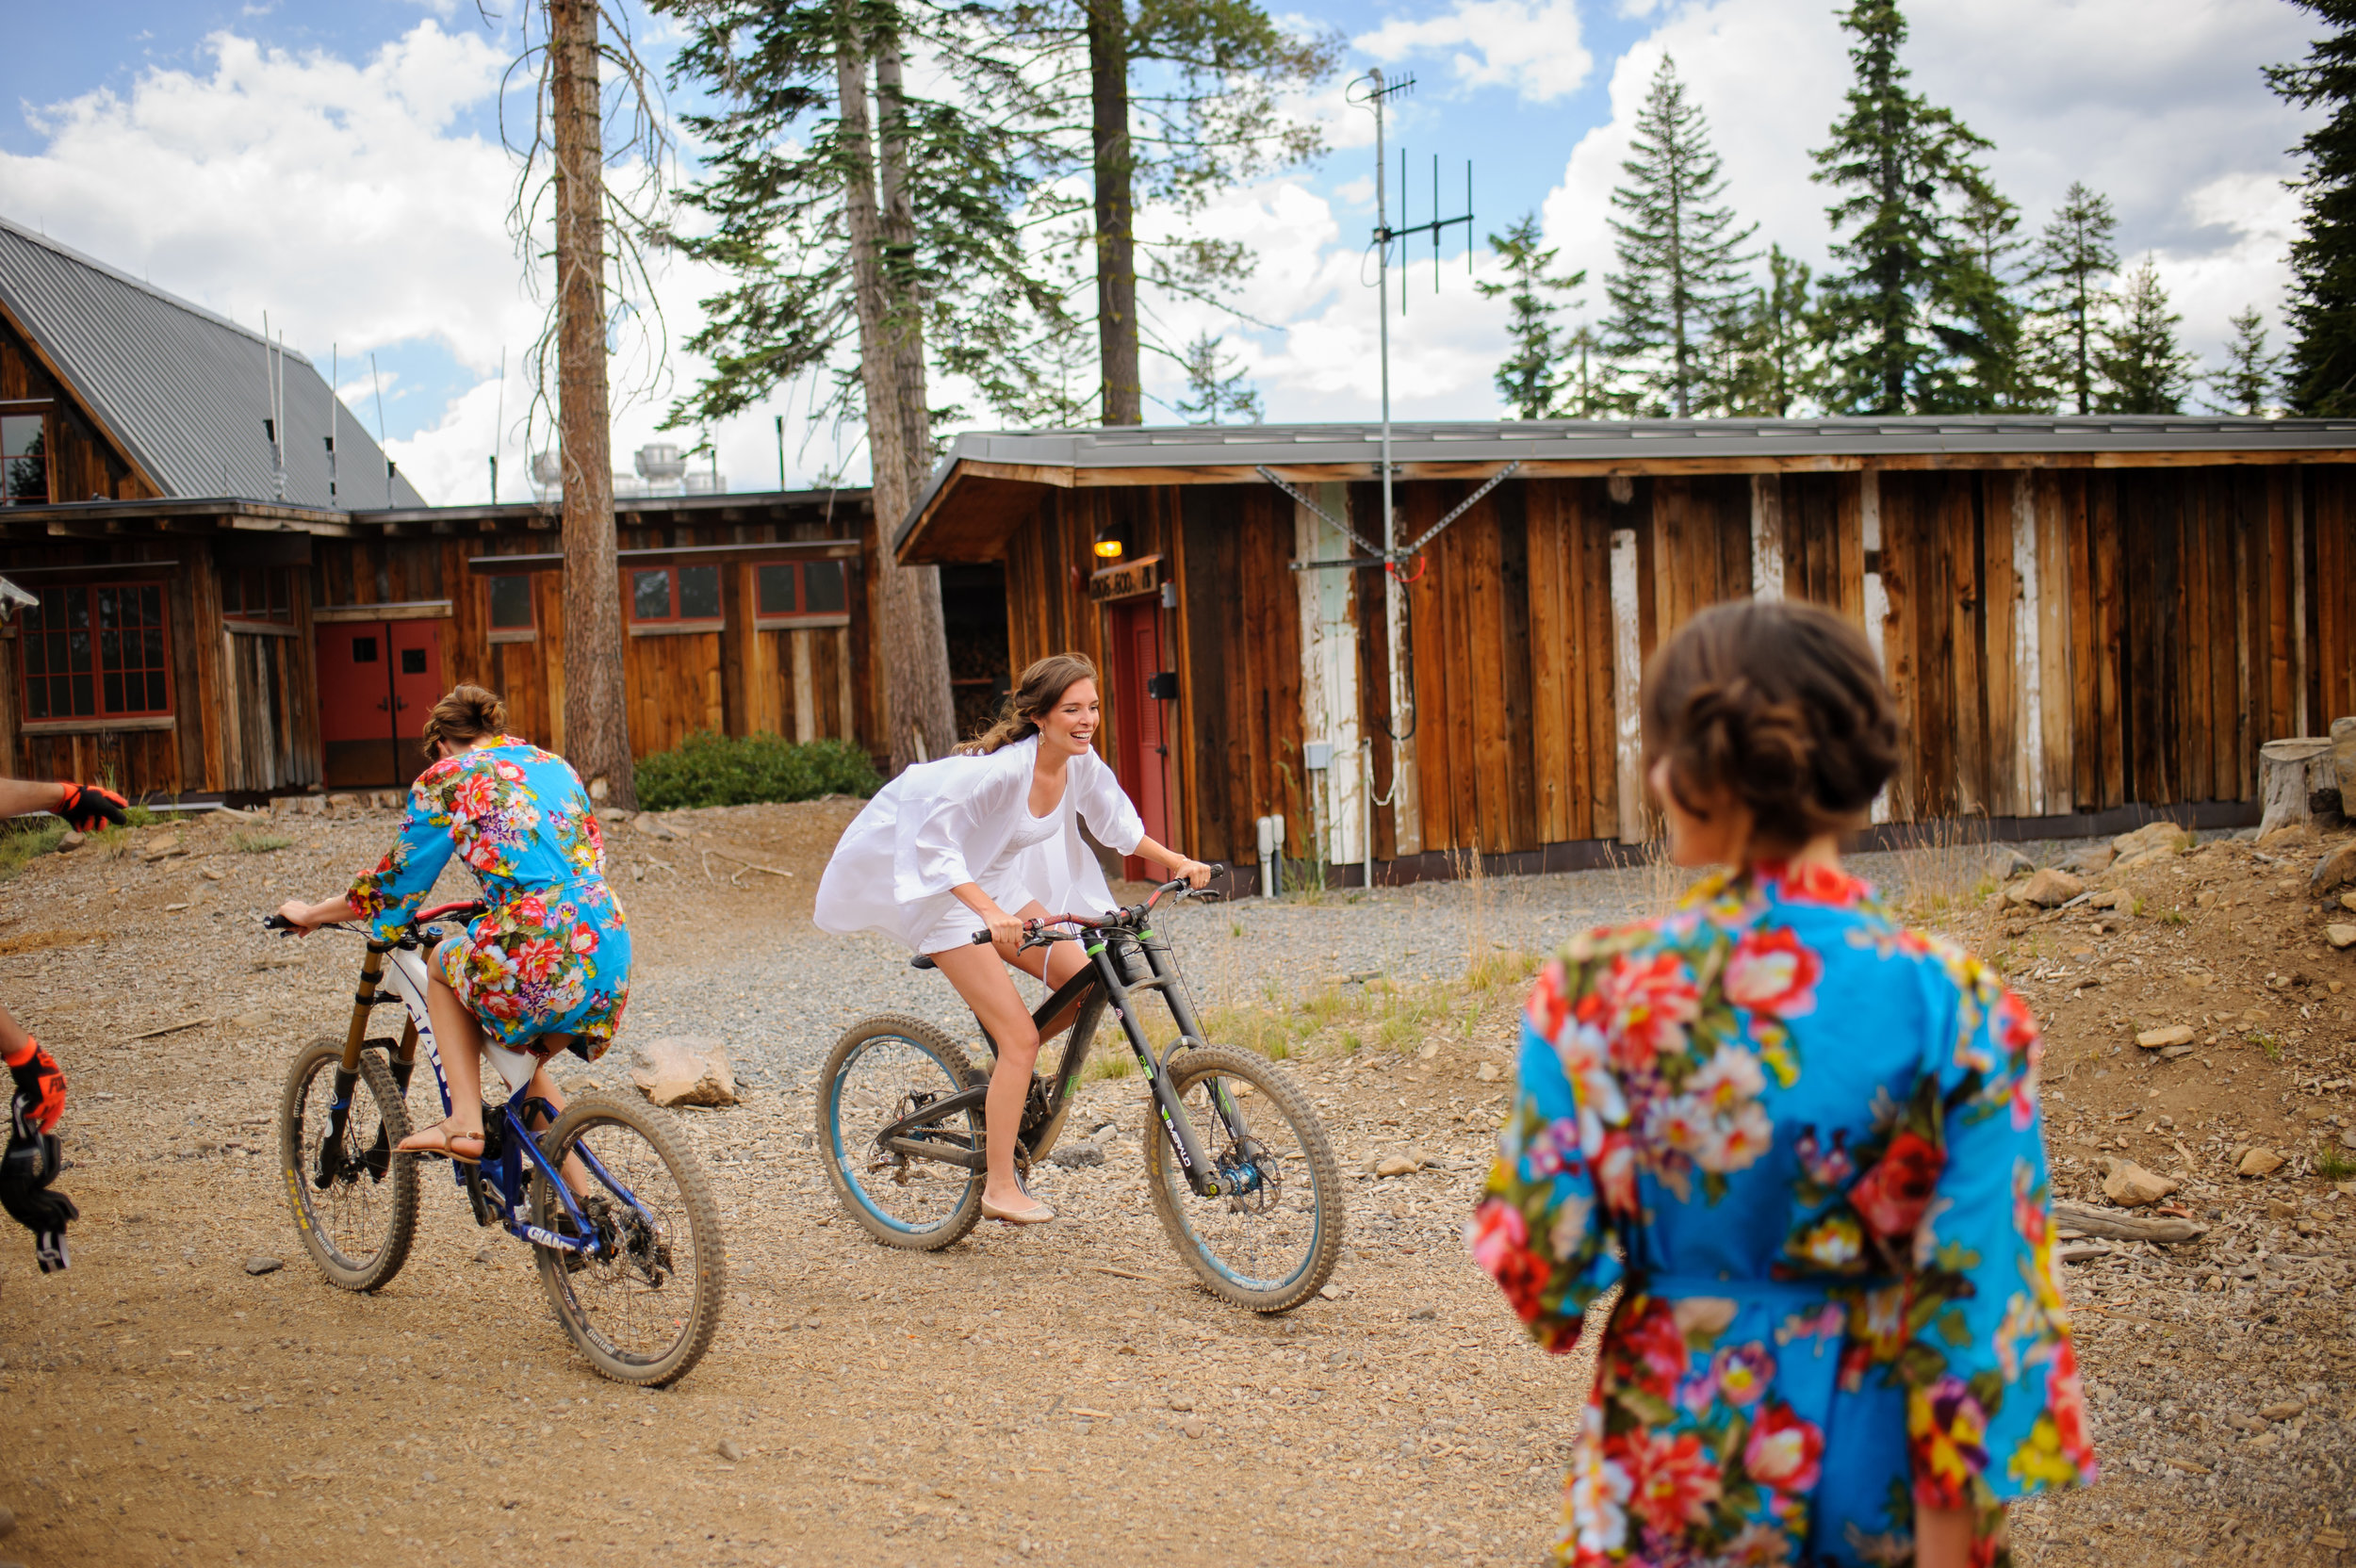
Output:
(1066, 1397)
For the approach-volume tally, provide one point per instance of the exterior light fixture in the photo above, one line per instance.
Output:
(1111, 546)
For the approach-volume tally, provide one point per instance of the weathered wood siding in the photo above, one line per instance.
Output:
(2059, 639)
(83, 464)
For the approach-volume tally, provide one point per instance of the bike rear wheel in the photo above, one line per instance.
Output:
(1270, 1239)
(645, 1313)
(881, 1069)
(354, 1200)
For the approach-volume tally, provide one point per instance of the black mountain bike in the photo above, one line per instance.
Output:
(1242, 1176)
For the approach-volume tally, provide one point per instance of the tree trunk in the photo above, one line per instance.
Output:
(597, 715)
(919, 719)
(1116, 230)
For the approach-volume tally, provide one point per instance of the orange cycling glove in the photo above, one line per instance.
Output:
(90, 806)
(41, 1083)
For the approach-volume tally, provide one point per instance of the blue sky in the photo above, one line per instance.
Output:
(337, 165)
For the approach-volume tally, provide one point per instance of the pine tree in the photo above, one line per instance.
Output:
(2072, 267)
(1532, 376)
(1988, 370)
(1586, 386)
(2144, 370)
(1214, 391)
(1679, 255)
(1895, 155)
(2321, 378)
(2246, 385)
(1772, 339)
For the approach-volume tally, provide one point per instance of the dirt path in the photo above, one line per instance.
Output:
(1056, 1397)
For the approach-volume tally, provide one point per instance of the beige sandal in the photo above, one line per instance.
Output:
(1038, 1213)
(445, 1143)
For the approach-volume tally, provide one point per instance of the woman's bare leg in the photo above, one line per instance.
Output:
(459, 1038)
(544, 1086)
(981, 978)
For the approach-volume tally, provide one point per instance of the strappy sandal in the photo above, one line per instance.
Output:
(445, 1144)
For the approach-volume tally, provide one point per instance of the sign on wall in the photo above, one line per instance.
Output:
(1128, 579)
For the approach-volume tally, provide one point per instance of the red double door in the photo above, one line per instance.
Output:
(1140, 721)
(378, 679)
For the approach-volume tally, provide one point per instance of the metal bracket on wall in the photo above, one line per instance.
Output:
(1375, 557)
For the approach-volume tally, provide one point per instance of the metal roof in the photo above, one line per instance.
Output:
(183, 390)
(1058, 456)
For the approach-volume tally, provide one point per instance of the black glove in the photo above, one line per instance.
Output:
(90, 806)
(31, 1163)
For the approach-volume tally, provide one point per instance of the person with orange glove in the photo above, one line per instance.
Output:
(37, 1091)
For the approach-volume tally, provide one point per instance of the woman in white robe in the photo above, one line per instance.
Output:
(986, 839)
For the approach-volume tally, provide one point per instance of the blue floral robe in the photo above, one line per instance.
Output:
(1814, 1137)
(551, 955)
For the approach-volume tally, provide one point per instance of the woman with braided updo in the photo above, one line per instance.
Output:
(1805, 1141)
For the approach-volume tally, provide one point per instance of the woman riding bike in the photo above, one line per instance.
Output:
(955, 844)
(546, 967)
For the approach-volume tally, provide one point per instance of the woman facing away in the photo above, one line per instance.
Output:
(1813, 1137)
(547, 965)
(950, 847)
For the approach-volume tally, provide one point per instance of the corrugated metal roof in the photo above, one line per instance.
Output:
(1632, 441)
(185, 390)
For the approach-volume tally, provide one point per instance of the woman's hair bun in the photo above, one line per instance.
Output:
(465, 714)
(1778, 706)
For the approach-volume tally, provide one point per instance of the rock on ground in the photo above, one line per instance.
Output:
(684, 1069)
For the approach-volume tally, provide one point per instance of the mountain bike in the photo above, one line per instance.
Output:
(1242, 1176)
(628, 1248)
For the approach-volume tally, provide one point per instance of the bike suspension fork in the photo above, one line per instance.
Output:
(347, 1069)
(1176, 1125)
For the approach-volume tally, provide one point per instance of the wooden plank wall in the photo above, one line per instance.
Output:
(1239, 691)
(83, 464)
(2331, 593)
(1573, 735)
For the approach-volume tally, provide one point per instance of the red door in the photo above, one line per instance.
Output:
(377, 680)
(1140, 721)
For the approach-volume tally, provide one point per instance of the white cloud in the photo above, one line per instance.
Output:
(2169, 119)
(1532, 48)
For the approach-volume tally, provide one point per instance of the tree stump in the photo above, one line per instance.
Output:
(2344, 762)
(2297, 781)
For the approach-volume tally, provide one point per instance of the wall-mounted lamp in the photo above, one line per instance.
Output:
(1111, 542)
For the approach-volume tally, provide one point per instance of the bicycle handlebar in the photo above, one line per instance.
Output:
(1038, 931)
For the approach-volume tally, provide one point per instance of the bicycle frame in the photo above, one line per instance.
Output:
(1104, 983)
(499, 1181)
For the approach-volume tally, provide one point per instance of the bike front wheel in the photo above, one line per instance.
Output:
(354, 1200)
(645, 1308)
(1269, 1239)
(882, 1070)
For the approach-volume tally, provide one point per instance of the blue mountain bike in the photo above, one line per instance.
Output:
(617, 1209)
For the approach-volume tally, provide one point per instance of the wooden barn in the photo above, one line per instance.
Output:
(238, 595)
(2087, 621)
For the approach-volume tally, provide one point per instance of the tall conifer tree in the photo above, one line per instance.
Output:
(2071, 268)
(1680, 260)
(2145, 369)
(2321, 378)
(1534, 376)
(1988, 369)
(2251, 375)
(1894, 157)
(1772, 356)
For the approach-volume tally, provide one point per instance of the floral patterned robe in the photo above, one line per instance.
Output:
(1814, 1137)
(551, 956)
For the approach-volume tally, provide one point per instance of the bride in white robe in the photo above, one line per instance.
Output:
(988, 838)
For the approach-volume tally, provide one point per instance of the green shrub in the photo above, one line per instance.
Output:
(22, 839)
(721, 770)
(258, 843)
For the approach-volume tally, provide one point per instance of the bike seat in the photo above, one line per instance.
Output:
(922, 960)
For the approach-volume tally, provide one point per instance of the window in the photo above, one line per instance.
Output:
(792, 589)
(674, 594)
(511, 603)
(24, 459)
(413, 661)
(364, 650)
(256, 594)
(96, 653)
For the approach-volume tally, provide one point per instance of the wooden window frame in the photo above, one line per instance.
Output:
(43, 409)
(531, 633)
(674, 624)
(245, 576)
(100, 718)
(800, 620)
